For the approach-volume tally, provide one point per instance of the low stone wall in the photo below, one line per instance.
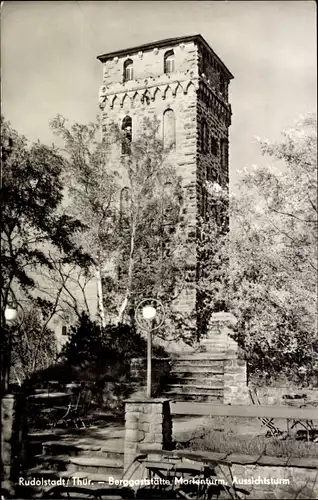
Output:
(7, 415)
(281, 482)
(160, 371)
(147, 421)
(13, 433)
(269, 478)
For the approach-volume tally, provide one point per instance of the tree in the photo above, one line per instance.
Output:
(265, 270)
(153, 245)
(137, 238)
(33, 344)
(102, 352)
(92, 190)
(32, 221)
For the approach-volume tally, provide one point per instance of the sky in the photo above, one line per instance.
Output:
(49, 65)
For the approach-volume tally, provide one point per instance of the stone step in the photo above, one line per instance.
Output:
(73, 465)
(196, 389)
(39, 472)
(200, 364)
(40, 436)
(196, 381)
(102, 478)
(199, 398)
(55, 463)
(88, 463)
(210, 357)
(110, 449)
(205, 369)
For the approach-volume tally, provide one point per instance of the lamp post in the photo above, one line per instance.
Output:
(145, 315)
(10, 316)
(149, 314)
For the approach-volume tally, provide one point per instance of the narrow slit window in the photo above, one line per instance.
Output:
(224, 151)
(127, 135)
(214, 146)
(204, 136)
(169, 129)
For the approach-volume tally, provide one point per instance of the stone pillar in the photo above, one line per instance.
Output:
(219, 341)
(147, 424)
(7, 415)
(235, 382)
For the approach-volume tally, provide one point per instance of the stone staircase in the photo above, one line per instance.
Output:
(87, 457)
(198, 377)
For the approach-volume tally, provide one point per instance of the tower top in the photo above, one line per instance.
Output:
(198, 39)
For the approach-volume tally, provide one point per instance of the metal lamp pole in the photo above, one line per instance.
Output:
(149, 314)
(145, 315)
(10, 315)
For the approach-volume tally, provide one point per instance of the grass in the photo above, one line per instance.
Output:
(244, 437)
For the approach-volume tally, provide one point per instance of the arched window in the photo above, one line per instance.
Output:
(169, 129)
(128, 70)
(127, 135)
(125, 205)
(169, 62)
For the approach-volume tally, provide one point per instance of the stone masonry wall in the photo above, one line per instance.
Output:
(147, 423)
(292, 482)
(160, 372)
(219, 342)
(7, 415)
(13, 437)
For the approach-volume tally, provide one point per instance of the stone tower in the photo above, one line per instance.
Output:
(184, 84)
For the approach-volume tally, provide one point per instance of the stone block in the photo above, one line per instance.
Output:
(133, 425)
(134, 435)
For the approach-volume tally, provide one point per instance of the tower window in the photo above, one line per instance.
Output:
(224, 146)
(222, 85)
(169, 129)
(204, 203)
(169, 62)
(128, 70)
(204, 136)
(127, 135)
(214, 146)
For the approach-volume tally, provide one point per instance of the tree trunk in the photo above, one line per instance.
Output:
(130, 273)
(100, 303)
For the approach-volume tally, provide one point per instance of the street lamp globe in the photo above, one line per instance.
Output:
(149, 312)
(10, 313)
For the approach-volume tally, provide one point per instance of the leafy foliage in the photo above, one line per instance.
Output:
(32, 224)
(34, 345)
(103, 351)
(265, 270)
(32, 193)
(137, 249)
